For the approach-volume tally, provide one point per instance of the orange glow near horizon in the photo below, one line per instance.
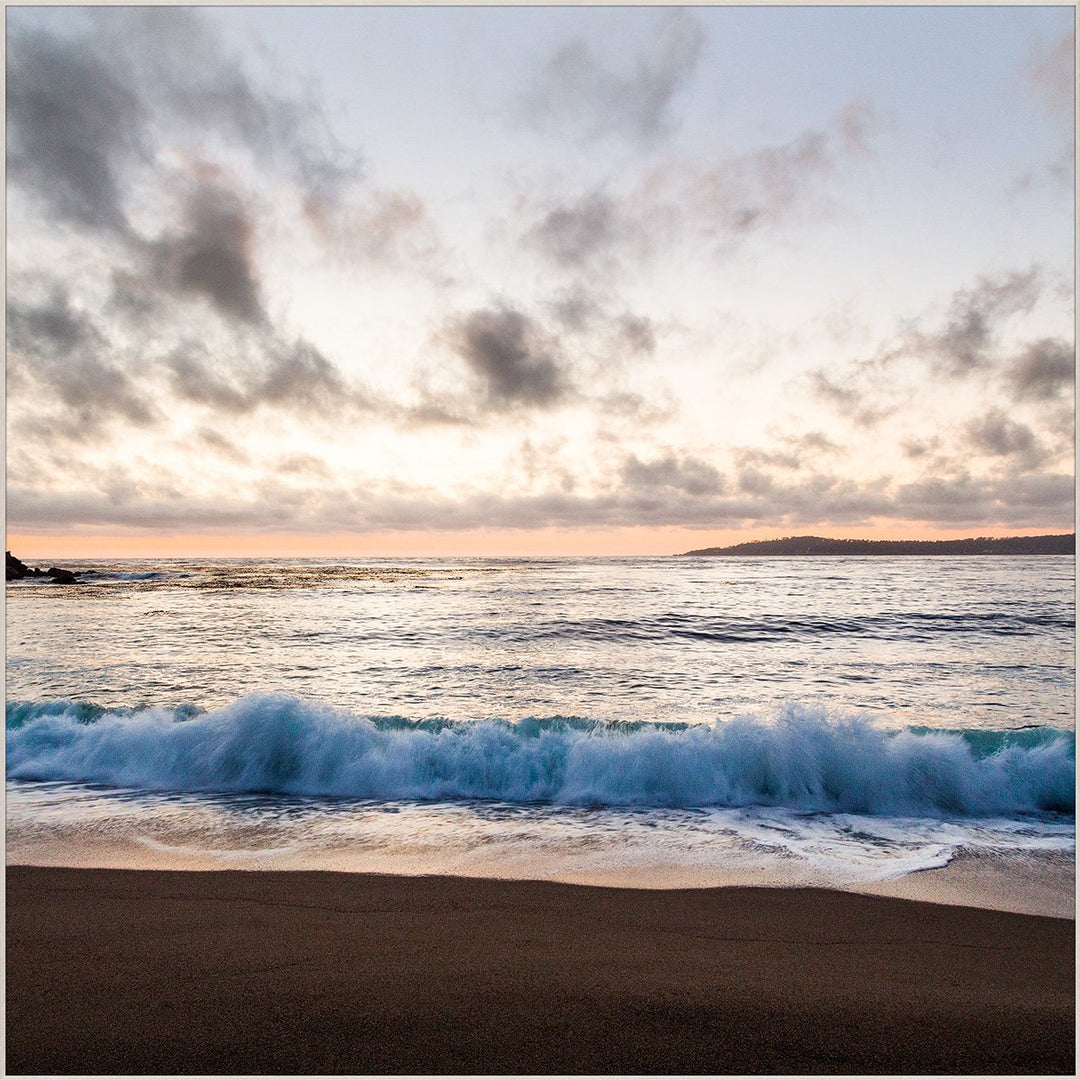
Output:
(640, 540)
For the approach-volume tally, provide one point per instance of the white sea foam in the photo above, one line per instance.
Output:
(802, 759)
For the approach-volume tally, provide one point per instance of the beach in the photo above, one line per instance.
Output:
(142, 971)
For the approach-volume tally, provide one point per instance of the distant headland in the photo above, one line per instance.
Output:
(1059, 544)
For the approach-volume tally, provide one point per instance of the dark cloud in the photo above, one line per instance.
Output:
(52, 328)
(995, 434)
(88, 110)
(920, 448)
(212, 257)
(688, 474)
(751, 481)
(580, 310)
(194, 379)
(133, 295)
(299, 375)
(1043, 371)
(638, 333)
(667, 497)
(1035, 499)
(577, 309)
(74, 128)
(574, 234)
(288, 376)
(59, 350)
(813, 442)
(974, 319)
(577, 90)
(133, 104)
(95, 392)
(511, 356)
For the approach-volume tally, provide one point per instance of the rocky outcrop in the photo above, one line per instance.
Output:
(16, 570)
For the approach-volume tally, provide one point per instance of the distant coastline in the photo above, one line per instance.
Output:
(1057, 544)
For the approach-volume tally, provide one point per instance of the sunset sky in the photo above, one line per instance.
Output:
(529, 280)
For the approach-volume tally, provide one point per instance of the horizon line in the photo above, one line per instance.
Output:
(644, 543)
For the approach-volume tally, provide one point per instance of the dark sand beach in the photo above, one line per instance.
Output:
(122, 971)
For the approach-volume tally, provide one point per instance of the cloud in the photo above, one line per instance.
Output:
(995, 434)
(212, 257)
(967, 338)
(718, 204)
(90, 111)
(579, 310)
(62, 351)
(302, 465)
(689, 474)
(638, 332)
(1051, 73)
(920, 448)
(669, 491)
(298, 374)
(74, 129)
(851, 395)
(973, 320)
(520, 363)
(574, 234)
(761, 187)
(576, 309)
(383, 225)
(223, 446)
(136, 108)
(195, 87)
(793, 452)
(389, 228)
(289, 376)
(1043, 371)
(515, 362)
(50, 328)
(194, 379)
(577, 91)
(750, 457)
(1044, 500)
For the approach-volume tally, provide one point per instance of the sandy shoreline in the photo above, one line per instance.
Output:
(121, 971)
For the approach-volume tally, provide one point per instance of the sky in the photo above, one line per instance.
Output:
(550, 280)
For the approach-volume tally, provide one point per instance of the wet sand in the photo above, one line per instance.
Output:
(133, 971)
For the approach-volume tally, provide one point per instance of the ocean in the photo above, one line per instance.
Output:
(838, 721)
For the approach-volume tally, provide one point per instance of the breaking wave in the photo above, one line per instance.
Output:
(803, 759)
